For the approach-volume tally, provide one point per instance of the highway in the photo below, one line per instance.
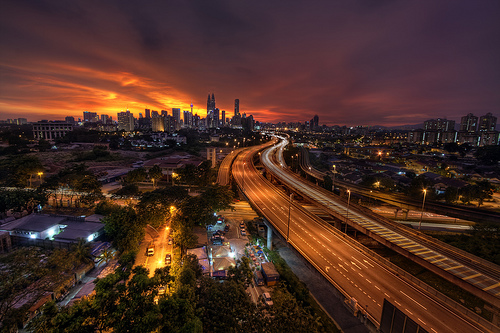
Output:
(225, 167)
(475, 273)
(351, 271)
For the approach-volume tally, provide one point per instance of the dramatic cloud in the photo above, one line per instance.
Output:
(351, 62)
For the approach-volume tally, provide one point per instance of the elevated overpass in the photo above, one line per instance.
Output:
(355, 271)
(401, 201)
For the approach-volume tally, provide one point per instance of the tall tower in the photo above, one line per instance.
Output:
(236, 107)
(487, 123)
(469, 123)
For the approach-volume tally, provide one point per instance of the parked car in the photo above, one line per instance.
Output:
(168, 259)
(267, 299)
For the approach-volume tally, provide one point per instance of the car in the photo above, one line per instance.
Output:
(161, 290)
(226, 228)
(170, 241)
(266, 297)
(243, 232)
(168, 259)
(242, 224)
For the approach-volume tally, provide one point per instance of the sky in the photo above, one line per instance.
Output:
(356, 62)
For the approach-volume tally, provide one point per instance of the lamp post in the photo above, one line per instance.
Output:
(40, 174)
(333, 183)
(347, 215)
(173, 175)
(422, 212)
(289, 217)
(153, 180)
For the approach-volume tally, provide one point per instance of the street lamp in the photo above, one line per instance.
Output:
(173, 175)
(289, 217)
(347, 215)
(422, 212)
(40, 174)
(333, 183)
(153, 180)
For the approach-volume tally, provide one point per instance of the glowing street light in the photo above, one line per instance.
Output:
(334, 172)
(347, 214)
(422, 212)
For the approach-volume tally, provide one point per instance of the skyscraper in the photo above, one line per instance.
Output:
(126, 121)
(90, 116)
(236, 107)
(223, 118)
(148, 113)
(176, 113)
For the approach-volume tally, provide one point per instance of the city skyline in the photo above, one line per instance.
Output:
(350, 63)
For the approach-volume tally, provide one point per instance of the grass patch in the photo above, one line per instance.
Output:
(442, 285)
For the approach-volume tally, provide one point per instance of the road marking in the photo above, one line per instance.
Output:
(492, 286)
(472, 276)
(413, 300)
(377, 287)
(327, 268)
(368, 263)
(423, 322)
(398, 303)
(409, 311)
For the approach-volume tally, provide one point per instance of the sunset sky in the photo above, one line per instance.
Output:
(354, 62)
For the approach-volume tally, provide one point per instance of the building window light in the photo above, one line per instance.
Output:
(32, 236)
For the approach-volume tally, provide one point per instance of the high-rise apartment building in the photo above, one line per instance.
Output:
(126, 121)
(147, 112)
(487, 123)
(439, 124)
(468, 123)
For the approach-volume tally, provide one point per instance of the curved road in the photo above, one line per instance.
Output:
(351, 271)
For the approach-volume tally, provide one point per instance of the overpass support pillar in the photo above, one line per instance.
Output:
(405, 214)
(396, 211)
(269, 236)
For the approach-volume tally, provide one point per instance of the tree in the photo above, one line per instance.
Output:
(488, 155)
(125, 229)
(136, 175)
(155, 206)
(127, 191)
(155, 173)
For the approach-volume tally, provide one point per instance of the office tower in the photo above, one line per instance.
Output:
(154, 114)
(188, 119)
(140, 115)
(70, 120)
(223, 118)
(468, 123)
(50, 130)
(487, 123)
(176, 113)
(158, 124)
(126, 121)
(236, 107)
(104, 118)
(148, 113)
(164, 113)
(90, 116)
(315, 122)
